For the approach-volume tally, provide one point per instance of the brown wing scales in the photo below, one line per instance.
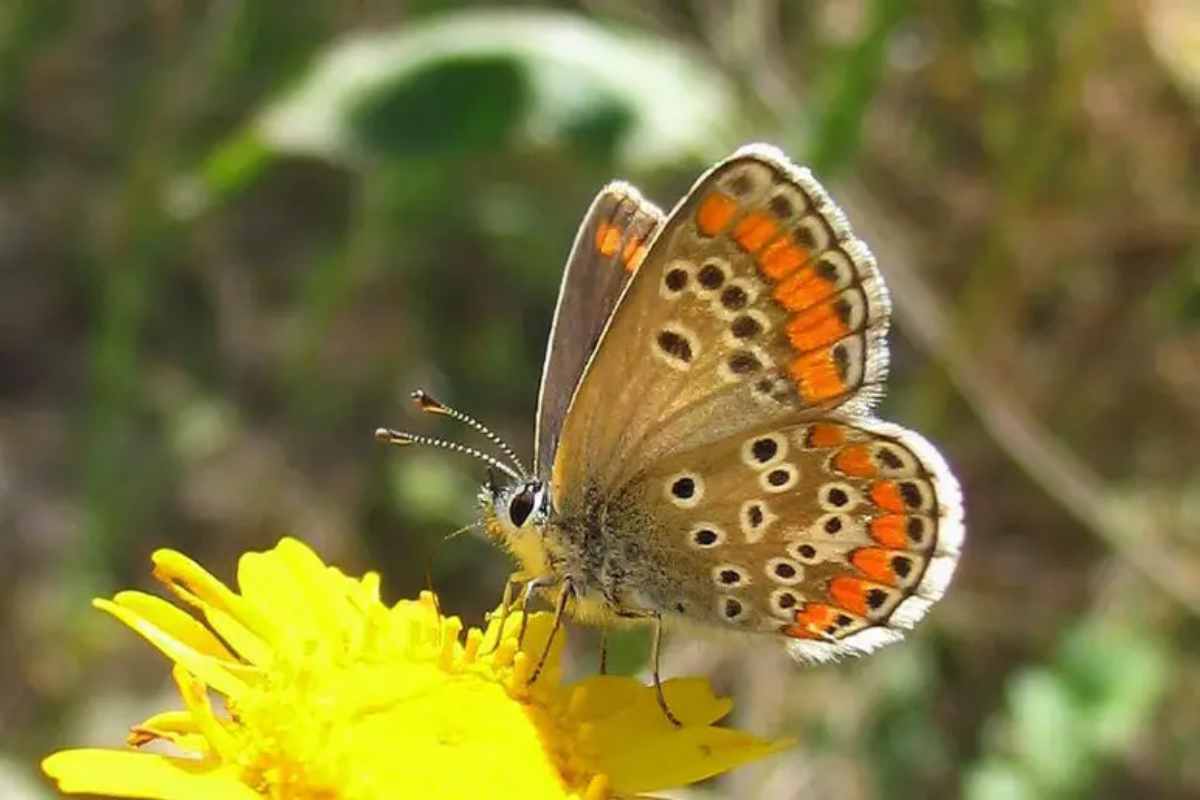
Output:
(759, 301)
(610, 245)
(835, 533)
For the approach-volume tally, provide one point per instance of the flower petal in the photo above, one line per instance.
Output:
(621, 704)
(117, 773)
(175, 622)
(174, 568)
(177, 727)
(214, 672)
(680, 757)
(283, 589)
(195, 697)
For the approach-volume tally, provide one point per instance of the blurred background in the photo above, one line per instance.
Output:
(234, 235)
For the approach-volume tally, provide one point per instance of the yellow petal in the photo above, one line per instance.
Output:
(625, 703)
(174, 568)
(195, 697)
(325, 588)
(680, 757)
(177, 727)
(115, 773)
(175, 622)
(269, 583)
(217, 674)
(249, 645)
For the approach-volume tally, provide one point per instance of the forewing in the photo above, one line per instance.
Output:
(754, 302)
(837, 534)
(610, 244)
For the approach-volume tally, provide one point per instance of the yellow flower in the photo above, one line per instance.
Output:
(326, 693)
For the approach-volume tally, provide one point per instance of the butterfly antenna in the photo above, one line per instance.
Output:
(430, 405)
(404, 439)
(461, 530)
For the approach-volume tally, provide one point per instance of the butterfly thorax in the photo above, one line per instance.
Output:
(603, 543)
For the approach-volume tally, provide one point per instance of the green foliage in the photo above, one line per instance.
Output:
(1064, 720)
(464, 104)
(469, 81)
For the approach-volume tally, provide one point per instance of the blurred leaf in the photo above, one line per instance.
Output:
(455, 104)
(470, 80)
(852, 87)
(1045, 730)
(998, 780)
(235, 163)
(1066, 718)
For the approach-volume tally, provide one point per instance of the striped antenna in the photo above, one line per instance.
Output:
(432, 406)
(405, 439)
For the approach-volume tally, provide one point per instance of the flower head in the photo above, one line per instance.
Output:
(326, 693)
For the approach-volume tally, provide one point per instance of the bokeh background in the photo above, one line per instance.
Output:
(234, 235)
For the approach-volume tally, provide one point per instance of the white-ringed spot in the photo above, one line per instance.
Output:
(734, 298)
(705, 535)
(676, 346)
(744, 363)
(678, 277)
(786, 202)
(784, 603)
(838, 497)
(785, 571)
(684, 489)
(711, 277)
(806, 552)
(765, 450)
(730, 576)
(746, 326)
(836, 526)
(779, 478)
(893, 460)
(746, 181)
(731, 609)
(755, 517)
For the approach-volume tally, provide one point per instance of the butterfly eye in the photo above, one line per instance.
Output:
(521, 507)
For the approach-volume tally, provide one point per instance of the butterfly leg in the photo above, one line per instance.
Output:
(506, 601)
(604, 651)
(526, 593)
(656, 642)
(560, 606)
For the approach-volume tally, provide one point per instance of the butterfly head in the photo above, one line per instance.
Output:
(515, 512)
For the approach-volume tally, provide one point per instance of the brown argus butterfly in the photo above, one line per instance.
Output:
(705, 447)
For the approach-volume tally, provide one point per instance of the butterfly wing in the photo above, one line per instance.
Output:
(754, 301)
(720, 424)
(610, 244)
(836, 533)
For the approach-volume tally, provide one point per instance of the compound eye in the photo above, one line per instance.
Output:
(521, 506)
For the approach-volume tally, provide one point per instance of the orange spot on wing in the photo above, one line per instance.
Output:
(816, 376)
(803, 289)
(633, 255)
(810, 620)
(855, 460)
(608, 239)
(781, 258)
(816, 327)
(850, 594)
(886, 495)
(888, 530)
(715, 213)
(875, 563)
(754, 231)
(824, 434)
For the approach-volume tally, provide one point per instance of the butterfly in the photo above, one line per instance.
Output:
(705, 449)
